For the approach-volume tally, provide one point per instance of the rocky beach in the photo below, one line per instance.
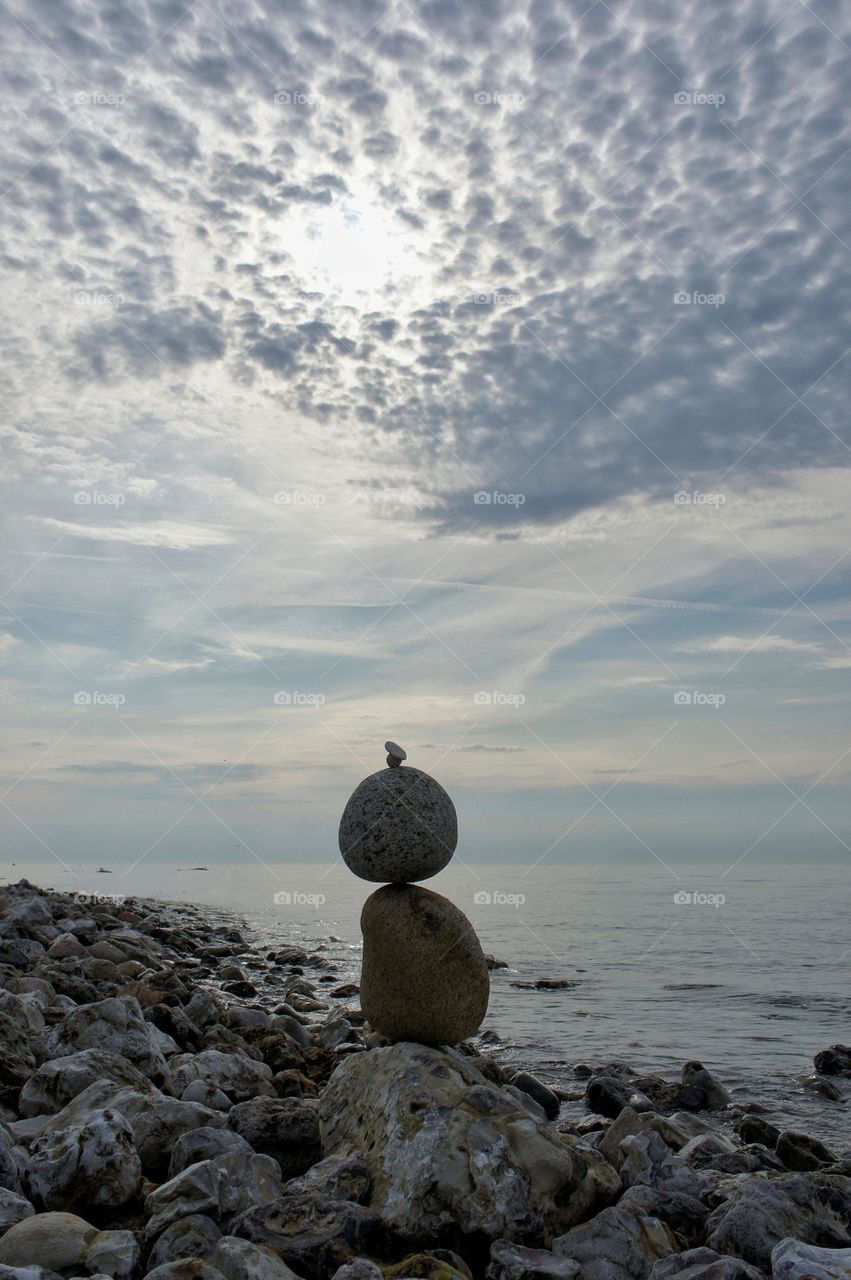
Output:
(181, 1102)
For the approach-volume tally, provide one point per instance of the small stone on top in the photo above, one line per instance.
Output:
(395, 754)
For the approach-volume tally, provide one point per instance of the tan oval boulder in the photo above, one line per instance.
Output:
(425, 977)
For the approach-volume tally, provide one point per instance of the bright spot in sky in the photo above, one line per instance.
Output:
(351, 249)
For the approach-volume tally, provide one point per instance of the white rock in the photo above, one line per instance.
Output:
(229, 1183)
(115, 1254)
(237, 1075)
(241, 1260)
(58, 1082)
(116, 1026)
(646, 1159)
(57, 1241)
(204, 1144)
(448, 1150)
(793, 1260)
(94, 1164)
(207, 1094)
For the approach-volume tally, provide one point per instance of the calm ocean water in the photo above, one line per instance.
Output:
(748, 973)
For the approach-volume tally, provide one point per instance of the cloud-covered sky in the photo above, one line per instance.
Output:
(472, 375)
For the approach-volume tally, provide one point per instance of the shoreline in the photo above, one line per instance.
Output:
(161, 1063)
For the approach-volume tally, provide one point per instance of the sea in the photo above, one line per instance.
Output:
(748, 973)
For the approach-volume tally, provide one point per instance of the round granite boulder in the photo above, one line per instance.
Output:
(424, 976)
(399, 825)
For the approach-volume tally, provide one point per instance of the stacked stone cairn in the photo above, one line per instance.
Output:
(424, 975)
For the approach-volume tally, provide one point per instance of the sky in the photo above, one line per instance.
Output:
(470, 375)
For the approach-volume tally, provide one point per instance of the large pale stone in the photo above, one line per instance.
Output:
(792, 1260)
(115, 1025)
(449, 1152)
(424, 976)
(399, 825)
(53, 1240)
(762, 1211)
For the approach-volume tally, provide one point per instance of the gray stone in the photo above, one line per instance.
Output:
(203, 1144)
(116, 1026)
(115, 1254)
(621, 1242)
(516, 1262)
(761, 1210)
(242, 1260)
(792, 1260)
(185, 1269)
(449, 1151)
(399, 825)
(94, 1164)
(424, 974)
(58, 1082)
(237, 1075)
(194, 1236)
(13, 1208)
(285, 1128)
(340, 1177)
(703, 1264)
